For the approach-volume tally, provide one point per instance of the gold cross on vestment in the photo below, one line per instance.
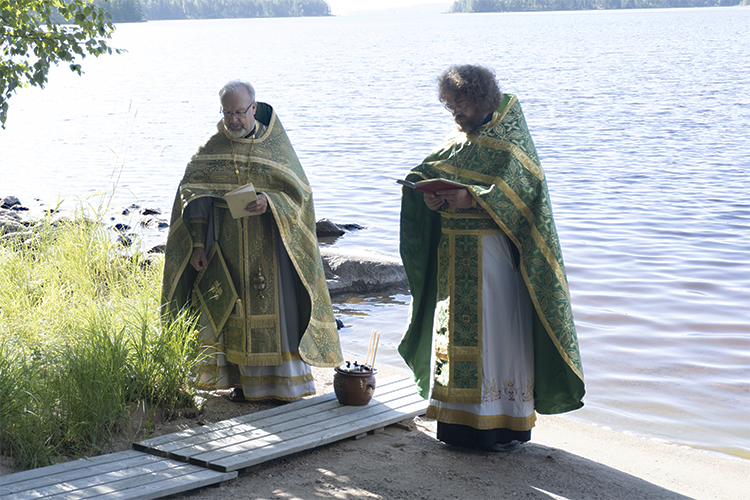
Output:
(216, 289)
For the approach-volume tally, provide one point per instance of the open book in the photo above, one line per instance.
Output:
(432, 185)
(238, 200)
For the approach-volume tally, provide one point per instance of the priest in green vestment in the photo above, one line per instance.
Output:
(491, 338)
(257, 280)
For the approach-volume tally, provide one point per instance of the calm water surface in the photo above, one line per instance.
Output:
(640, 119)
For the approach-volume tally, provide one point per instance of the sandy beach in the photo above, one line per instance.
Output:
(566, 459)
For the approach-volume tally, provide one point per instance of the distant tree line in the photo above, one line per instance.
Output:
(540, 5)
(124, 11)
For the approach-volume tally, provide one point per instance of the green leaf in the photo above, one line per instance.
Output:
(33, 39)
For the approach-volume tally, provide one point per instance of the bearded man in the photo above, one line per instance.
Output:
(265, 310)
(491, 337)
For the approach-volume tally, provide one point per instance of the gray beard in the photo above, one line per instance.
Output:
(238, 134)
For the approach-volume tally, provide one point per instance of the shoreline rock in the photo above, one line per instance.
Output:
(361, 271)
(348, 271)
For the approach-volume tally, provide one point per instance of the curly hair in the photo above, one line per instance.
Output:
(475, 83)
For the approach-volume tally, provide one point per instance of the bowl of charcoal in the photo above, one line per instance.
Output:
(354, 384)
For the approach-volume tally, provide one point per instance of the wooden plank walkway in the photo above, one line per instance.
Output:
(245, 441)
(213, 453)
(124, 475)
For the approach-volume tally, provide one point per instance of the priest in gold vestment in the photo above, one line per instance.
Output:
(257, 281)
(491, 338)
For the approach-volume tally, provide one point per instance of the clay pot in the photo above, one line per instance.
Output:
(354, 387)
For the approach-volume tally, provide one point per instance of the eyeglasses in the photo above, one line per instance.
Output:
(460, 108)
(236, 114)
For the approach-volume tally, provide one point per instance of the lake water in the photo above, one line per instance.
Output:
(640, 118)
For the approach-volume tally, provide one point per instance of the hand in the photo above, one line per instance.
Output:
(459, 198)
(433, 202)
(260, 205)
(198, 259)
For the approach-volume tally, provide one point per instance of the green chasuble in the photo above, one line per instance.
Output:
(248, 245)
(502, 172)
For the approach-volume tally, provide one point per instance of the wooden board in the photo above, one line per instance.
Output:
(212, 454)
(256, 438)
(124, 475)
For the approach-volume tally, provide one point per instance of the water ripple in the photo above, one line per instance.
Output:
(640, 119)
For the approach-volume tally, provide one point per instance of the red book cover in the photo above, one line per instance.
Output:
(432, 185)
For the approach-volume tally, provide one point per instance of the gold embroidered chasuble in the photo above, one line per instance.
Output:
(442, 253)
(458, 334)
(248, 245)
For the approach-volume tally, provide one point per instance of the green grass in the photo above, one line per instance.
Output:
(81, 340)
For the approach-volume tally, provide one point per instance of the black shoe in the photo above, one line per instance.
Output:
(237, 395)
(503, 447)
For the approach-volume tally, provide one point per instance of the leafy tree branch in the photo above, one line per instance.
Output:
(36, 34)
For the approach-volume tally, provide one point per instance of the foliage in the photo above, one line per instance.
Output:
(122, 11)
(545, 5)
(82, 341)
(219, 9)
(35, 34)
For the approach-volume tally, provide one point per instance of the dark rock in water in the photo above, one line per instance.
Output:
(10, 222)
(160, 248)
(127, 210)
(152, 222)
(328, 231)
(12, 203)
(150, 259)
(151, 211)
(125, 240)
(326, 228)
(9, 214)
(121, 227)
(9, 202)
(339, 324)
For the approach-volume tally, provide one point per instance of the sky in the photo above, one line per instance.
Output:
(344, 7)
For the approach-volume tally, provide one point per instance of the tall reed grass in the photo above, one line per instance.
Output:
(81, 340)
